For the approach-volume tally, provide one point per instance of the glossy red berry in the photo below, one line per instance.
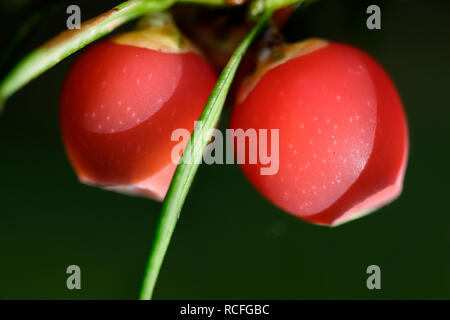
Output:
(120, 103)
(343, 140)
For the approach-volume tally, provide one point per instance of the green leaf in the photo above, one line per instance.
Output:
(68, 42)
(259, 6)
(185, 172)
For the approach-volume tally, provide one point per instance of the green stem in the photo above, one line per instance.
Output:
(184, 175)
(277, 4)
(48, 55)
(259, 6)
(206, 2)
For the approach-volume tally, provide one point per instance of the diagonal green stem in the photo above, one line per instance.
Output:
(184, 175)
(59, 48)
(48, 55)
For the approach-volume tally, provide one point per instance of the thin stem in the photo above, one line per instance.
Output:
(48, 55)
(68, 42)
(259, 6)
(184, 175)
(206, 2)
(24, 30)
(277, 4)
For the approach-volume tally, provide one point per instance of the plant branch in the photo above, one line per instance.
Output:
(185, 172)
(257, 7)
(206, 2)
(70, 41)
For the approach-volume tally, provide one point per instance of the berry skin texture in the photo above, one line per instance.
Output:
(119, 105)
(343, 144)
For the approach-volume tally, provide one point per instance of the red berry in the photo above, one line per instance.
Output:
(343, 135)
(120, 103)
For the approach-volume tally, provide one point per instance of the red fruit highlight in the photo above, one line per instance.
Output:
(343, 133)
(120, 103)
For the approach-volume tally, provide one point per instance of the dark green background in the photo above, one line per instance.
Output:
(230, 242)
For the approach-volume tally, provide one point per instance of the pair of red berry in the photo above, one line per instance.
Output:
(343, 136)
